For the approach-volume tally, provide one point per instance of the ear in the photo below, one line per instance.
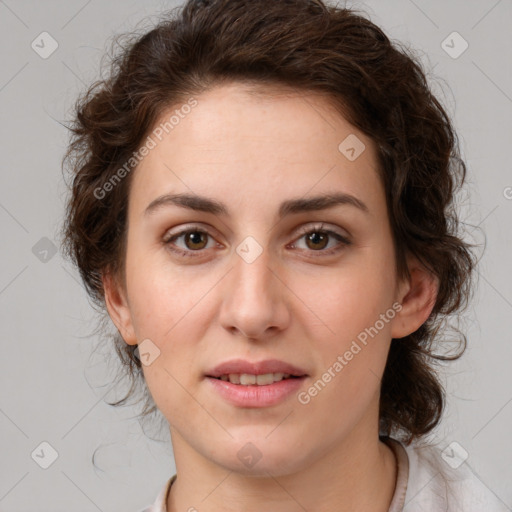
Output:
(118, 308)
(417, 296)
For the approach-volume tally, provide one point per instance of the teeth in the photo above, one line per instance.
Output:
(265, 379)
(245, 379)
(234, 378)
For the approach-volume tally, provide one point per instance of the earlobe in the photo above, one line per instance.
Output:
(118, 308)
(417, 298)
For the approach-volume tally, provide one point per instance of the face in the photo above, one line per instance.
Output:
(258, 271)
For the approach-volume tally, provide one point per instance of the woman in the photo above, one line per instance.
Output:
(262, 200)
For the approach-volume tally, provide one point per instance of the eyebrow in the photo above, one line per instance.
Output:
(290, 206)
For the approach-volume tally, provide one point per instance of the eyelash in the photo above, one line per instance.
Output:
(302, 231)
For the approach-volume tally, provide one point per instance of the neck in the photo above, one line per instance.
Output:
(358, 474)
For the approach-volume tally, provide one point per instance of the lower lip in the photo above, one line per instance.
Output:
(254, 395)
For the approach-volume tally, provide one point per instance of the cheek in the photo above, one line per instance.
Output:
(349, 298)
(167, 310)
(160, 295)
(173, 309)
(351, 327)
(352, 356)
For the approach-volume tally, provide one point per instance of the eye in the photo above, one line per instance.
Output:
(194, 239)
(319, 240)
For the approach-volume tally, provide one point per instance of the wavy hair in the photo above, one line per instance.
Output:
(380, 87)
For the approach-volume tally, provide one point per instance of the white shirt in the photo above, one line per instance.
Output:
(425, 483)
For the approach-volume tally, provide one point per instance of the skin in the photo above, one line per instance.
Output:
(292, 303)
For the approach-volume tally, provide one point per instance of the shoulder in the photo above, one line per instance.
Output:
(445, 484)
(160, 504)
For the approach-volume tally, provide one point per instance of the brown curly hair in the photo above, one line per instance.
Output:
(378, 86)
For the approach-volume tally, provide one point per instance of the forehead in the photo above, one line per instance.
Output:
(241, 139)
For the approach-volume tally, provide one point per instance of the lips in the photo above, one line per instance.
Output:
(262, 384)
(269, 366)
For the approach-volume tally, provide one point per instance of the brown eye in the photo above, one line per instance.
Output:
(189, 242)
(320, 242)
(317, 240)
(195, 239)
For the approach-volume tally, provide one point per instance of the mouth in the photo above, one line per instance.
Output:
(247, 379)
(255, 384)
(260, 373)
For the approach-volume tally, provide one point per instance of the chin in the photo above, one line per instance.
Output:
(259, 457)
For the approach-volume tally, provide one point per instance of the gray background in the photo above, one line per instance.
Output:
(52, 388)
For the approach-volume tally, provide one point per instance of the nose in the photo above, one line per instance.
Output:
(255, 303)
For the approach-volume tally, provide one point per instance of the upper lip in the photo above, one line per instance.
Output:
(240, 366)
